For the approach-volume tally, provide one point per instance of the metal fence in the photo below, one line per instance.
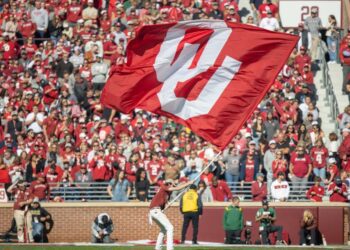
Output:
(98, 192)
(330, 98)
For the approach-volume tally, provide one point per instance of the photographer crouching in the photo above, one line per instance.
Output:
(102, 227)
(267, 216)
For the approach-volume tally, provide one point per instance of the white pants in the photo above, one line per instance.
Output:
(23, 218)
(165, 228)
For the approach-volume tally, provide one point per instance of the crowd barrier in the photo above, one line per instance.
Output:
(98, 192)
(72, 220)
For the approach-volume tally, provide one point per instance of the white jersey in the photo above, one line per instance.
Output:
(279, 190)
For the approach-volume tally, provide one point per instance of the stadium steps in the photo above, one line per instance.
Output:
(336, 75)
(328, 124)
(244, 10)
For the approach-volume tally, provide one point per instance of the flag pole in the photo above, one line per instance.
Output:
(185, 189)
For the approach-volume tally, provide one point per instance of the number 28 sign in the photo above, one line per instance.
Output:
(293, 12)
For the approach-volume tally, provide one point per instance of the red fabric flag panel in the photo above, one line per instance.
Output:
(206, 75)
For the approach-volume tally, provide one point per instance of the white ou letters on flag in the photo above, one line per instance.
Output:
(171, 73)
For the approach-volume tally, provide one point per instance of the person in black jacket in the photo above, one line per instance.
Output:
(141, 185)
(80, 89)
(35, 162)
(63, 66)
(40, 216)
(14, 126)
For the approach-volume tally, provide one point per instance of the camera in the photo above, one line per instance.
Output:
(248, 233)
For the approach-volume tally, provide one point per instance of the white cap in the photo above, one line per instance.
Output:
(272, 142)
(345, 130)
(90, 1)
(171, 181)
(248, 135)
(252, 142)
(314, 123)
(82, 135)
(332, 161)
(124, 117)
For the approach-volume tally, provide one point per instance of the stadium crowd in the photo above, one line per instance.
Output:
(55, 57)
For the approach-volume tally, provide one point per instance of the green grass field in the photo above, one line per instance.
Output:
(43, 247)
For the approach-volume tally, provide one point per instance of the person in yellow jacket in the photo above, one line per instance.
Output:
(191, 208)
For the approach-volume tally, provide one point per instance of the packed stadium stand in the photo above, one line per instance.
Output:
(60, 141)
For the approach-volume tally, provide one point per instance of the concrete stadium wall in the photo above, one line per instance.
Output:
(72, 221)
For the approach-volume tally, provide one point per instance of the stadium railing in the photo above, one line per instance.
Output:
(328, 86)
(98, 192)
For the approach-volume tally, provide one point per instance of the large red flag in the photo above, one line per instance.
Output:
(207, 75)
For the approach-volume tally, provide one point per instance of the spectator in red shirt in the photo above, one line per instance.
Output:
(53, 174)
(301, 60)
(337, 191)
(9, 47)
(26, 27)
(232, 15)
(279, 164)
(74, 12)
(4, 173)
(40, 188)
(249, 164)
(50, 124)
(154, 168)
(259, 188)
(207, 177)
(300, 169)
(332, 171)
(23, 198)
(319, 155)
(98, 167)
(266, 7)
(344, 149)
(307, 75)
(316, 192)
(220, 190)
(344, 55)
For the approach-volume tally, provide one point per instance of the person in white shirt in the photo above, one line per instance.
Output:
(280, 188)
(269, 22)
(304, 107)
(94, 41)
(34, 120)
(119, 34)
(194, 159)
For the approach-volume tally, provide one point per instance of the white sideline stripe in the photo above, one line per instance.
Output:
(188, 244)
